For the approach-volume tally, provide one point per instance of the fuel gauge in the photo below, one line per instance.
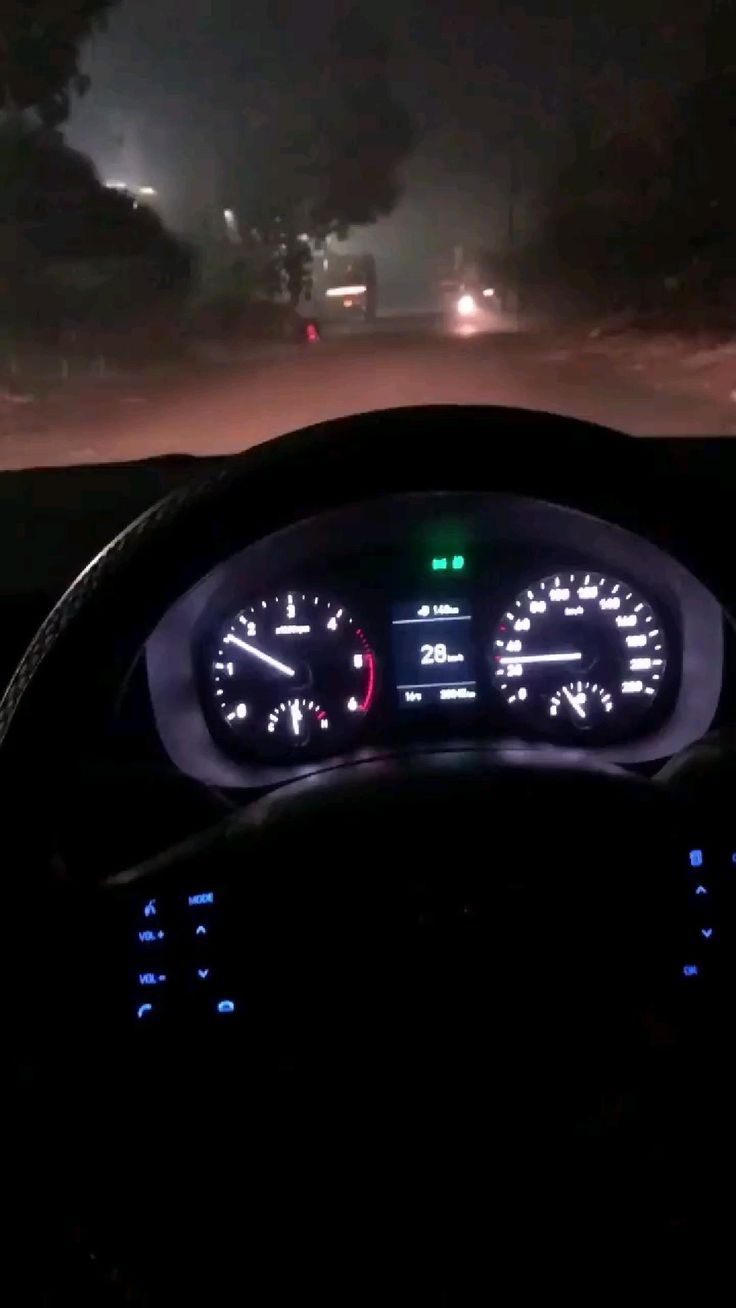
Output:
(584, 705)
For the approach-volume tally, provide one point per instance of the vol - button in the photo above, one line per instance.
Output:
(203, 973)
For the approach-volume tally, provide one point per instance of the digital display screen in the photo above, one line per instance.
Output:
(434, 655)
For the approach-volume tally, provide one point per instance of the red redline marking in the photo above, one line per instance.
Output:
(371, 683)
(321, 714)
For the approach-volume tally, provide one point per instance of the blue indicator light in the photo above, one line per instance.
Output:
(733, 856)
(206, 897)
(143, 1009)
(706, 932)
(690, 969)
(150, 909)
(201, 930)
(151, 978)
(147, 937)
(701, 890)
(226, 1006)
(203, 973)
(696, 858)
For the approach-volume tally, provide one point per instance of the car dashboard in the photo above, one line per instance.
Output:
(434, 620)
(263, 762)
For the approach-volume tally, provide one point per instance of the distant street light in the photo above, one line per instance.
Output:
(231, 224)
(116, 185)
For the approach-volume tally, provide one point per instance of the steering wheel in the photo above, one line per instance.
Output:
(460, 945)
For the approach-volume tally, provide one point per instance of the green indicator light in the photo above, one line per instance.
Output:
(458, 562)
(439, 565)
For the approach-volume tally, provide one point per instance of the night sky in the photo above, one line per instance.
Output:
(182, 97)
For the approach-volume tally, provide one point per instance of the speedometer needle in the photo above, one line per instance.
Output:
(540, 658)
(572, 700)
(259, 654)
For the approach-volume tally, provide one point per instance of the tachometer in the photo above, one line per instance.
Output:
(290, 674)
(579, 652)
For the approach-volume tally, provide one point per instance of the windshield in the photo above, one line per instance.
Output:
(221, 222)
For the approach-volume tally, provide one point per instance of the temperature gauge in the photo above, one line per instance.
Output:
(296, 721)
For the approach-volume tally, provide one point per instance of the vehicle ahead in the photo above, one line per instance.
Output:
(347, 287)
(468, 302)
(353, 916)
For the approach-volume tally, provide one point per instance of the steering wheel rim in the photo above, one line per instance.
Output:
(311, 469)
(110, 606)
(414, 830)
(118, 598)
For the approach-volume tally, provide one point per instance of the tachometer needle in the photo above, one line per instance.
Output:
(296, 716)
(259, 654)
(540, 658)
(572, 700)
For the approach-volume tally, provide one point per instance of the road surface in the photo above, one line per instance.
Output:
(233, 403)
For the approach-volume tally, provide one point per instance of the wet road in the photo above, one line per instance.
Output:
(231, 403)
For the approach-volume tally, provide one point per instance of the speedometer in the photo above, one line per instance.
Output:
(580, 653)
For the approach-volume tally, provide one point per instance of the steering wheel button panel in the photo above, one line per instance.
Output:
(264, 959)
(712, 894)
(180, 970)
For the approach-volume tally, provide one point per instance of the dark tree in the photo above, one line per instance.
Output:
(330, 155)
(364, 134)
(75, 254)
(645, 214)
(40, 42)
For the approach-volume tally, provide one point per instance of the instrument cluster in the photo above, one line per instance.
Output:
(427, 621)
(575, 657)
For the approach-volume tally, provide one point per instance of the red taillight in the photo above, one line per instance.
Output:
(312, 333)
